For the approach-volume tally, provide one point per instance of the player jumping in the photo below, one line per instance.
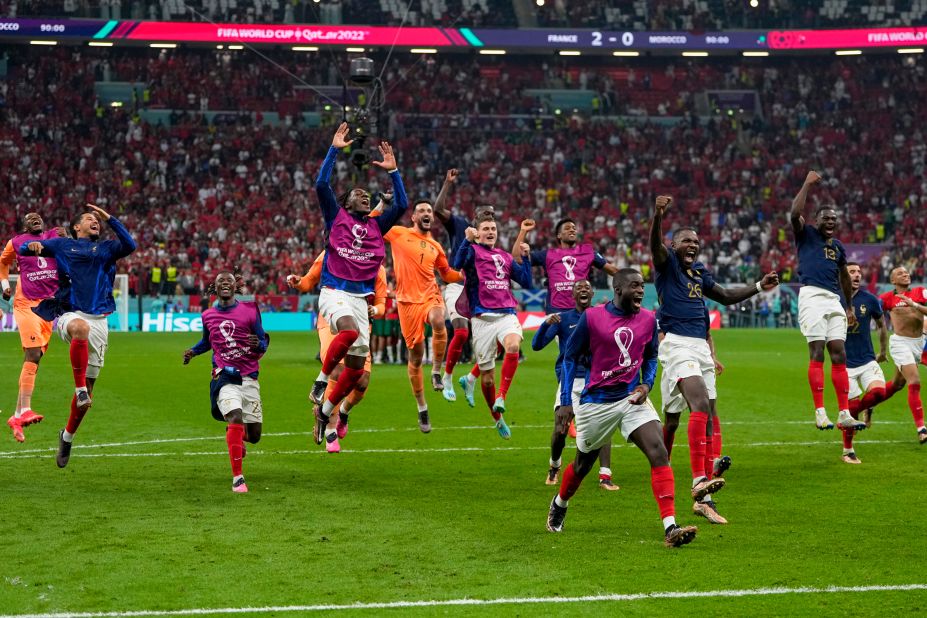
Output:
(618, 344)
(233, 331)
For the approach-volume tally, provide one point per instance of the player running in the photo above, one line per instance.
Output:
(489, 272)
(416, 256)
(86, 272)
(617, 342)
(559, 326)
(906, 306)
(233, 331)
(682, 281)
(822, 271)
(353, 256)
(38, 280)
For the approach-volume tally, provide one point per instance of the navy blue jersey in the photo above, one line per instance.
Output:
(561, 331)
(859, 338)
(660, 328)
(682, 308)
(819, 260)
(456, 228)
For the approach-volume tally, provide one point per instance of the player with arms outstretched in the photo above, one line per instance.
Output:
(38, 280)
(233, 331)
(618, 343)
(907, 307)
(86, 273)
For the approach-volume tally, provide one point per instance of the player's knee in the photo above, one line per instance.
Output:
(233, 416)
(487, 378)
(253, 433)
(33, 355)
(672, 422)
(79, 329)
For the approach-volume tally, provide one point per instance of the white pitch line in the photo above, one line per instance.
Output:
(597, 598)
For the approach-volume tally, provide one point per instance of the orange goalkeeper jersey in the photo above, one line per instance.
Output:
(415, 259)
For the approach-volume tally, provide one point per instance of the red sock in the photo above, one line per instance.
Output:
(816, 380)
(455, 349)
(80, 350)
(345, 384)
(891, 388)
(924, 357)
(509, 366)
(489, 394)
(338, 349)
(841, 381)
(75, 417)
(570, 483)
(661, 480)
(668, 441)
(234, 438)
(698, 425)
(475, 372)
(716, 438)
(871, 398)
(914, 402)
(848, 438)
(709, 455)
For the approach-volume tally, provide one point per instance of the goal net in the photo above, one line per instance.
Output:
(119, 321)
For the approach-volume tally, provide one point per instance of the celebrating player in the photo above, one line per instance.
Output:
(353, 255)
(86, 272)
(906, 307)
(822, 271)
(618, 344)
(416, 256)
(489, 300)
(233, 331)
(684, 353)
(560, 325)
(38, 280)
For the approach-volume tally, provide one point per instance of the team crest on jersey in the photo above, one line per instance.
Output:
(862, 310)
(422, 243)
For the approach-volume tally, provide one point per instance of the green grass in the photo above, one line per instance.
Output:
(164, 531)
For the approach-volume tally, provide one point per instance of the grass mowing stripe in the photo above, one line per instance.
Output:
(597, 598)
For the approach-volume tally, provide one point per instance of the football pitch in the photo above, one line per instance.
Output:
(143, 520)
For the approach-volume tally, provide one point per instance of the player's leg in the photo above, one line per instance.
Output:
(669, 430)
(509, 334)
(816, 382)
(605, 468)
(454, 350)
(438, 345)
(412, 318)
(836, 334)
(231, 402)
(351, 401)
(720, 463)
(34, 334)
(338, 310)
(695, 392)
(812, 321)
(557, 444)
(913, 379)
(354, 360)
(468, 382)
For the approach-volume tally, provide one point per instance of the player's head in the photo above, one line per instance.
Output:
(686, 245)
(856, 274)
(33, 223)
(423, 215)
(486, 232)
(356, 201)
(485, 210)
(582, 294)
(85, 225)
(629, 290)
(225, 286)
(900, 276)
(826, 217)
(566, 231)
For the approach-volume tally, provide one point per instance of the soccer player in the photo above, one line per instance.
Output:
(353, 256)
(38, 280)
(906, 307)
(682, 281)
(862, 363)
(617, 342)
(233, 331)
(489, 301)
(822, 271)
(86, 272)
(560, 325)
(416, 256)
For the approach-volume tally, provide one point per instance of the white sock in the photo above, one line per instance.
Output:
(327, 408)
(820, 411)
(67, 437)
(556, 464)
(470, 378)
(669, 521)
(235, 479)
(699, 480)
(560, 502)
(422, 407)
(847, 451)
(81, 388)
(342, 410)
(707, 498)
(329, 433)
(323, 377)
(448, 376)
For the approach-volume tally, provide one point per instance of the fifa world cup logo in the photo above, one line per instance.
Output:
(42, 263)
(569, 263)
(227, 329)
(360, 233)
(500, 266)
(623, 337)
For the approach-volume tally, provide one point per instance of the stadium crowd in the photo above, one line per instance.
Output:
(239, 194)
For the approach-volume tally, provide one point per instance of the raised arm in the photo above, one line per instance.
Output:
(738, 295)
(798, 204)
(442, 212)
(394, 212)
(526, 226)
(323, 187)
(546, 333)
(464, 255)
(448, 274)
(124, 244)
(657, 248)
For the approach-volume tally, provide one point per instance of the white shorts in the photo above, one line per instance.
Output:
(246, 398)
(905, 350)
(98, 338)
(578, 385)
(684, 357)
(452, 292)
(861, 378)
(488, 330)
(597, 422)
(821, 317)
(673, 401)
(335, 304)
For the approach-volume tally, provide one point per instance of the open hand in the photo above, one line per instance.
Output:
(102, 214)
(563, 417)
(341, 137)
(389, 159)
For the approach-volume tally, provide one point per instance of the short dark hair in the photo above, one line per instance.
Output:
(76, 219)
(561, 223)
(22, 221)
(483, 216)
(825, 207)
(623, 274)
(417, 202)
(682, 229)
